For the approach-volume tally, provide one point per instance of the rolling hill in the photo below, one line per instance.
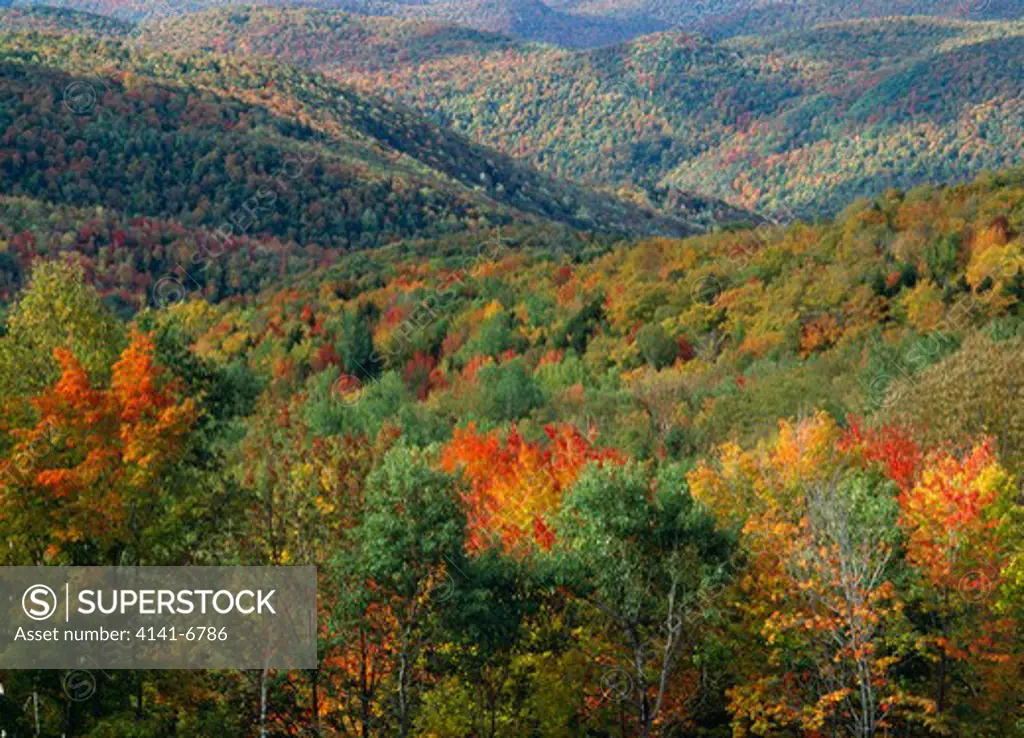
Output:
(61, 20)
(727, 18)
(327, 40)
(594, 23)
(526, 19)
(802, 121)
(95, 123)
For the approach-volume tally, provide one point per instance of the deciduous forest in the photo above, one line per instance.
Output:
(585, 439)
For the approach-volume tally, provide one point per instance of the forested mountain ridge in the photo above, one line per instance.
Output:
(800, 122)
(326, 39)
(526, 19)
(61, 20)
(726, 18)
(90, 122)
(593, 23)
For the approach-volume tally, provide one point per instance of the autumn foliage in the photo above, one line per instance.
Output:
(827, 513)
(516, 485)
(109, 449)
(793, 511)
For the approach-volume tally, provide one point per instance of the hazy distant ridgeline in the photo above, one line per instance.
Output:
(591, 23)
(60, 20)
(526, 19)
(724, 18)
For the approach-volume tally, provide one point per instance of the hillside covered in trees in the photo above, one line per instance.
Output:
(196, 137)
(759, 482)
(526, 19)
(725, 18)
(61, 20)
(594, 23)
(799, 122)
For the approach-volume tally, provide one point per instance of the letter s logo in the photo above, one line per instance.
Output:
(39, 602)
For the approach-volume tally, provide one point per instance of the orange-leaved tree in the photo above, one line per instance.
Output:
(108, 450)
(515, 485)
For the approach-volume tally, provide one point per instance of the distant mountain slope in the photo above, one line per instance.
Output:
(135, 260)
(885, 104)
(726, 18)
(210, 133)
(593, 23)
(60, 20)
(325, 39)
(805, 120)
(533, 20)
(764, 17)
(526, 19)
(339, 43)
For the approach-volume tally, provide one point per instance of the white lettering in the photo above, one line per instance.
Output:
(266, 601)
(86, 605)
(238, 602)
(231, 602)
